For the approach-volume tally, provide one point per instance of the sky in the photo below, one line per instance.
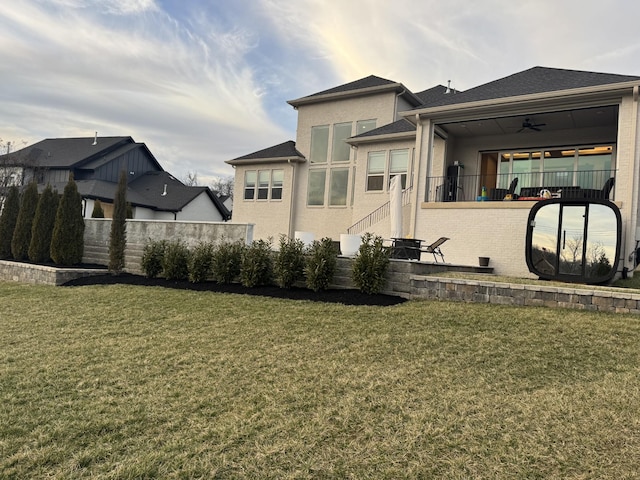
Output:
(204, 81)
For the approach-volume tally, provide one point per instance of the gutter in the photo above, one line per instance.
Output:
(559, 95)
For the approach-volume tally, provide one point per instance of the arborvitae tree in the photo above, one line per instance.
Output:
(8, 220)
(98, 211)
(67, 241)
(118, 238)
(22, 232)
(43, 222)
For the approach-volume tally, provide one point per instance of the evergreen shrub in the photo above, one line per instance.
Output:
(226, 261)
(289, 261)
(24, 223)
(200, 261)
(43, 223)
(321, 263)
(175, 262)
(153, 257)
(257, 264)
(8, 220)
(67, 241)
(370, 264)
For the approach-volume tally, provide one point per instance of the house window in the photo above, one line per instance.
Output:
(364, 126)
(341, 149)
(277, 180)
(398, 165)
(338, 186)
(375, 171)
(249, 184)
(263, 184)
(319, 144)
(585, 167)
(315, 188)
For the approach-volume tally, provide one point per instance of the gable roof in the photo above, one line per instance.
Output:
(278, 153)
(531, 81)
(162, 191)
(364, 86)
(67, 152)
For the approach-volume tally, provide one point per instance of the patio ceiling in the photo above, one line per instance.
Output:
(564, 120)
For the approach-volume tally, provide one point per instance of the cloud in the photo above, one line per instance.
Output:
(71, 70)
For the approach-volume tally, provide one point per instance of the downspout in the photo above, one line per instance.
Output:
(291, 202)
(635, 184)
(395, 107)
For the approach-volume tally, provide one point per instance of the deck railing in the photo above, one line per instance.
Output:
(468, 188)
(379, 214)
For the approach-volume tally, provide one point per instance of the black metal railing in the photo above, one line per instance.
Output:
(469, 188)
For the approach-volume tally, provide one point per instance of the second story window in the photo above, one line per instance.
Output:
(341, 149)
(263, 184)
(319, 144)
(375, 171)
(277, 180)
(364, 126)
(398, 165)
(249, 185)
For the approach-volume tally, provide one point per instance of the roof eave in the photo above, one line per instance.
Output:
(608, 90)
(250, 161)
(355, 141)
(391, 87)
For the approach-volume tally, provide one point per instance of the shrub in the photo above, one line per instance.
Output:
(200, 262)
(321, 264)
(98, 211)
(43, 222)
(370, 265)
(289, 261)
(118, 236)
(257, 264)
(67, 241)
(24, 223)
(175, 263)
(8, 220)
(153, 258)
(226, 261)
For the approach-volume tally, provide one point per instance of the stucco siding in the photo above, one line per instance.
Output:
(478, 230)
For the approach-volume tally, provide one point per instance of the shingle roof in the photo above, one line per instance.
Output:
(367, 82)
(282, 150)
(432, 94)
(399, 126)
(67, 152)
(362, 86)
(531, 81)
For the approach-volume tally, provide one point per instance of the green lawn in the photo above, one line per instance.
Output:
(133, 382)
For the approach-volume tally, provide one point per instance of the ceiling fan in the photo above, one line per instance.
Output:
(527, 124)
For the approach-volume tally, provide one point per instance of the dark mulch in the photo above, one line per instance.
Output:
(346, 297)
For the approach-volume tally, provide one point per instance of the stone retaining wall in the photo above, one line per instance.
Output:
(464, 290)
(40, 274)
(139, 232)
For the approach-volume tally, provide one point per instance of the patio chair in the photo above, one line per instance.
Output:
(501, 193)
(434, 249)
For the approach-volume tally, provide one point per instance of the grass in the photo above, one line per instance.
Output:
(141, 382)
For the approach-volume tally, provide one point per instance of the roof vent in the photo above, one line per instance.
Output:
(165, 190)
(448, 90)
(95, 139)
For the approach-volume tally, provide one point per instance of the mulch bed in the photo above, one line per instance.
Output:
(344, 296)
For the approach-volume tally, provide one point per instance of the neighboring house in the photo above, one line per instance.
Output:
(549, 128)
(96, 164)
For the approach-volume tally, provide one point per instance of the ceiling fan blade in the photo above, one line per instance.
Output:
(534, 127)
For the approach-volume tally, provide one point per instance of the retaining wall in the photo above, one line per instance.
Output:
(139, 232)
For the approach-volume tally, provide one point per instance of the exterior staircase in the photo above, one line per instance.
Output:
(378, 214)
